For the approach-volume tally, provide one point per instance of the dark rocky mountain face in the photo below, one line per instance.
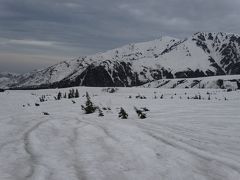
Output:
(227, 46)
(103, 75)
(202, 55)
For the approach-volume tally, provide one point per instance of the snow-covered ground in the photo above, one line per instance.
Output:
(212, 82)
(181, 139)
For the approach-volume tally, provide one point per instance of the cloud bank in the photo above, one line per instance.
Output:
(37, 33)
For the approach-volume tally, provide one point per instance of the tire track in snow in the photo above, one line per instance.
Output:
(80, 174)
(103, 128)
(113, 148)
(29, 150)
(3, 145)
(175, 143)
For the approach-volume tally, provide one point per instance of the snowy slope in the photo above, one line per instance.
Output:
(180, 139)
(7, 78)
(200, 55)
(231, 82)
(117, 61)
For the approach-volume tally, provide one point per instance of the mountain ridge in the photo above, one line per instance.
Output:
(200, 55)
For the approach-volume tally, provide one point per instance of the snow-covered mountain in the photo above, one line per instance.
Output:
(8, 78)
(201, 55)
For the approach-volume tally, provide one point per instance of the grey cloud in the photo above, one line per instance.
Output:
(79, 27)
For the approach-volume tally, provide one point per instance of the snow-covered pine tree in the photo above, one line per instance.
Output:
(140, 113)
(89, 106)
(100, 112)
(122, 114)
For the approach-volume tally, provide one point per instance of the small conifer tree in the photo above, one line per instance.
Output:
(199, 96)
(76, 94)
(145, 109)
(100, 112)
(59, 96)
(71, 94)
(209, 97)
(122, 114)
(140, 113)
(155, 96)
(89, 106)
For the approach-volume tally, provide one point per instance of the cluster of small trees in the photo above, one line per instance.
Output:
(42, 98)
(89, 108)
(140, 97)
(71, 94)
(140, 112)
(196, 96)
(110, 90)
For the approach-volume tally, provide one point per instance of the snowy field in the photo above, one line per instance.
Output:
(189, 134)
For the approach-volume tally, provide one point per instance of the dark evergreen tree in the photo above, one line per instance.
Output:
(145, 109)
(195, 97)
(100, 112)
(199, 96)
(140, 113)
(209, 97)
(71, 94)
(76, 94)
(122, 114)
(42, 98)
(45, 113)
(65, 95)
(59, 96)
(155, 96)
(89, 106)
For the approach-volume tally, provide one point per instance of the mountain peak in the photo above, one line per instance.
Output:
(201, 55)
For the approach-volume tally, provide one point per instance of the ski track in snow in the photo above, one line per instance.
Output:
(179, 139)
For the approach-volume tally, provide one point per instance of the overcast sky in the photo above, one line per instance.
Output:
(38, 33)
